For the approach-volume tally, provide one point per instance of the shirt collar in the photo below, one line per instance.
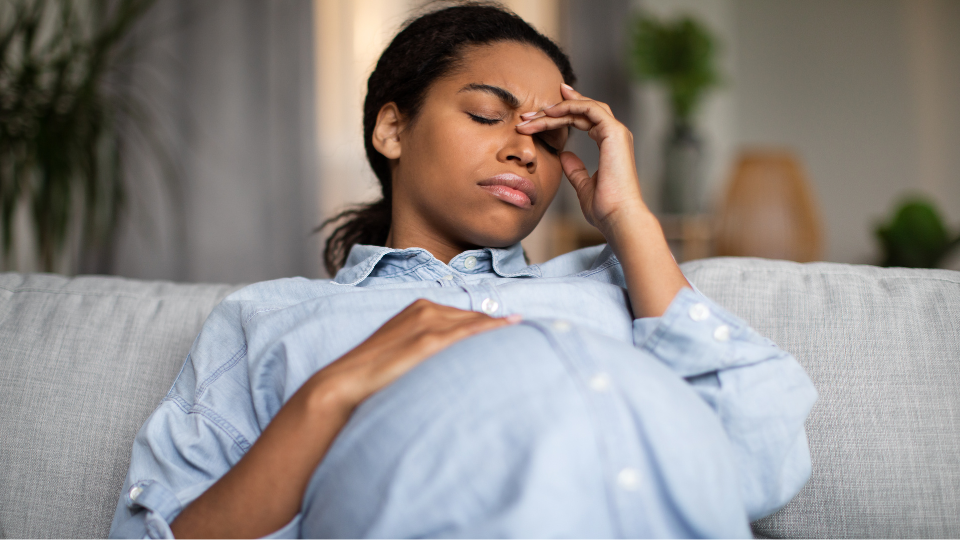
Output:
(366, 260)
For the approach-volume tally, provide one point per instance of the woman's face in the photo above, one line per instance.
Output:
(463, 176)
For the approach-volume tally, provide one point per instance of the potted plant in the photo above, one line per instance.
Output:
(680, 56)
(60, 149)
(915, 236)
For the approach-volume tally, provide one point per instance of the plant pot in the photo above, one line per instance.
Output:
(682, 171)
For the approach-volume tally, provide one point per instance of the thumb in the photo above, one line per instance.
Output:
(575, 170)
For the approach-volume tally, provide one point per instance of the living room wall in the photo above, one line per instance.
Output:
(864, 91)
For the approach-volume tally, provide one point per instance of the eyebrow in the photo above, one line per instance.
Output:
(504, 95)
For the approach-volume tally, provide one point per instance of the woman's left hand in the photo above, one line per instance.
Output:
(610, 200)
(614, 190)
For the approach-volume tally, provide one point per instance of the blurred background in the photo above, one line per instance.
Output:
(205, 140)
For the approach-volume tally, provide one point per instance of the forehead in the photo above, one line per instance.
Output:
(523, 70)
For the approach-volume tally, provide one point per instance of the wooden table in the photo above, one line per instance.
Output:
(689, 236)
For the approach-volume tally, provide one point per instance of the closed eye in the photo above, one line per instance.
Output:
(491, 121)
(549, 148)
(484, 120)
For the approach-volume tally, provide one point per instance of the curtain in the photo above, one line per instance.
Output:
(222, 175)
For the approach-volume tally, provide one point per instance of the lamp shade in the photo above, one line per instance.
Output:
(769, 210)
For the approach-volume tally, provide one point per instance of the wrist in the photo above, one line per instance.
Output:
(330, 397)
(624, 226)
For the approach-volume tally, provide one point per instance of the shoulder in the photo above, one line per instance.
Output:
(220, 350)
(596, 262)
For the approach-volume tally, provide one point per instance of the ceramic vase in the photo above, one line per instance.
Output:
(682, 171)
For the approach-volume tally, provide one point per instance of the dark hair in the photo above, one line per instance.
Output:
(426, 49)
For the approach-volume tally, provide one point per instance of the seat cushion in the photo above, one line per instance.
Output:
(883, 349)
(83, 362)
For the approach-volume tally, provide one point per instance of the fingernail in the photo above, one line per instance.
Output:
(551, 106)
(516, 317)
(524, 122)
(529, 114)
(567, 86)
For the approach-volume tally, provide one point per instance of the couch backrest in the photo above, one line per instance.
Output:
(83, 362)
(883, 349)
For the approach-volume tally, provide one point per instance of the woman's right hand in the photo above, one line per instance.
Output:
(421, 330)
(264, 490)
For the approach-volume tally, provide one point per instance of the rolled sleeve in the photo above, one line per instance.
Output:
(145, 511)
(696, 336)
(760, 393)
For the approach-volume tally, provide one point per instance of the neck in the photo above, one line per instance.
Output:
(403, 237)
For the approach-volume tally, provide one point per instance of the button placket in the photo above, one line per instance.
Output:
(489, 306)
(628, 479)
(484, 298)
(600, 382)
(623, 458)
(722, 333)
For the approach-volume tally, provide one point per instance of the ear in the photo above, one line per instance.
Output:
(386, 134)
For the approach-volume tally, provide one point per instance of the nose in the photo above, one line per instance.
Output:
(520, 149)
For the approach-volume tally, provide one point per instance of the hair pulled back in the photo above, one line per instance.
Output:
(426, 49)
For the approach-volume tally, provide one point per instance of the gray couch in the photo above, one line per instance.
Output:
(83, 361)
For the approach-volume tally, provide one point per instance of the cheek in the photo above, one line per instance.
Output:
(551, 174)
(456, 152)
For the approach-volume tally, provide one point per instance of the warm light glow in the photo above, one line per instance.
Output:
(349, 37)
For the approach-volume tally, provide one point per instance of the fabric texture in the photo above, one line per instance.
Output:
(576, 422)
(881, 346)
(883, 349)
(83, 362)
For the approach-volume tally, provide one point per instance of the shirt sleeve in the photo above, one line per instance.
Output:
(760, 393)
(201, 429)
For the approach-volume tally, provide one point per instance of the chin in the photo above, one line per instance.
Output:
(496, 225)
(505, 234)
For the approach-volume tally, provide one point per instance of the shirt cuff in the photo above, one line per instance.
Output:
(696, 336)
(151, 507)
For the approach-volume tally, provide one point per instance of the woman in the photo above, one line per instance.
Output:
(622, 404)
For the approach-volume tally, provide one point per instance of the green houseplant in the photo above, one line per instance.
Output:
(680, 56)
(915, 236)
(59, 142)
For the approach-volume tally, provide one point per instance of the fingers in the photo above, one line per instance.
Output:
(442, 325)
(588, 115)
(546, 123)
(418, 343)
(592, 110)
(575, 170)
(568, 92)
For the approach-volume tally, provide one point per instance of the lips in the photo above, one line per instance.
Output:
(512, 189)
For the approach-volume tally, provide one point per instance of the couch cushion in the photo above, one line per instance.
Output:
(83, 362)
(883, 349)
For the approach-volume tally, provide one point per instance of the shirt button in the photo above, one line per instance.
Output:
(448, 277)
(135, 492)
(629, 479)
(600, 382)
(470, 262)
(699, 312)
(489, 305)
(561, 325)
(722, 333)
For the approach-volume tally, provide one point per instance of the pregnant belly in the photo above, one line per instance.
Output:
(515, 432)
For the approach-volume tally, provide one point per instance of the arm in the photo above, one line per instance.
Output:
(187, 451)
(265, 489)
(611, 201)
(760, 393)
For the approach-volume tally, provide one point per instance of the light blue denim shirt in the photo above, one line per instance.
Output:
(580, 421)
